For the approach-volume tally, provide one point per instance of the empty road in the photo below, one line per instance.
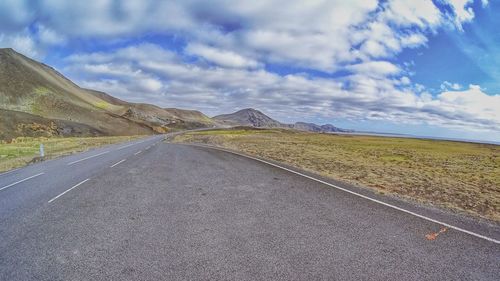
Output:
(150, 210)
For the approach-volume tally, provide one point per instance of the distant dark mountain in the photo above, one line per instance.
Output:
(48, 98)
(254, 118)
(311, 127)
(248, 117)
(330, 128)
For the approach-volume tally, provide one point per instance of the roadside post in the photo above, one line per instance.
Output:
(42, 151)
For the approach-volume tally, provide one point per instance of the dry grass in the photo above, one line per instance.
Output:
(454, 175)
(23, 150)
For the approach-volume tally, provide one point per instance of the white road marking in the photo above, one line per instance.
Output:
(8, 172)
(360, 195)
(128, 145)
(74, 186)
(125, 146)
(20, 181)
(138, 152)
(148, 147)
(117, 163)
(86, 158)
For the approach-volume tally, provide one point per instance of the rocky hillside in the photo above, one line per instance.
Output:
(47, 97)
(311, 127)
(248, 117)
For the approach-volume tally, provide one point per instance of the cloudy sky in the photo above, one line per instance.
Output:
(404, 66)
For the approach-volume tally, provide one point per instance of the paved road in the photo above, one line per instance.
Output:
(177, 212)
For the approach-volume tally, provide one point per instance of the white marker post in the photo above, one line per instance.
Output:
(42, 151)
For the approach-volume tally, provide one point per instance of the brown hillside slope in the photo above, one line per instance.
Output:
(15, 123)
(37, 89)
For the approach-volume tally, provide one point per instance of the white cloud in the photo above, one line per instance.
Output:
(375, 68)
(135, 74)
(15, 15)
(221, 57)
(405, 80)
(450, 86)
(243, 38)
(20, 42)
(462, 11)
(472, 105)
(422, 13)
(413, 40)
(48, 36)
(321, 35)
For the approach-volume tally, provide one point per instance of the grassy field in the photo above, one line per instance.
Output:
(454, 175)
(23, 150)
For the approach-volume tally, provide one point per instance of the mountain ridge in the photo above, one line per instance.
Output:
(37, 100)
(248, 117)
(42, 92)
(255, 118)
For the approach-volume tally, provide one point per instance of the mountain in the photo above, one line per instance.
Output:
(36, 100)
(311, 127)
(15, 123)
(248, 117)
(34, 96)
(254, 118)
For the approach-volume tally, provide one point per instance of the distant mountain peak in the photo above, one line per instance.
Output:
(6, 50)
(249, 109)
(255, 118)
(248, 117)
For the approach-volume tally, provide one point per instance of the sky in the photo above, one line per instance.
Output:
(429, 68)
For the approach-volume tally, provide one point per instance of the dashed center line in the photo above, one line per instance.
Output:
(125, 146)
(20, 181)
(117, 163)
(86, 158)
(128, 145)
(74, 186)
(138, 152)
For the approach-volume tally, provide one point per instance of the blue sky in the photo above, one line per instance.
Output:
(417, 67)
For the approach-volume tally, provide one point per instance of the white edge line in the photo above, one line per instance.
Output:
(138, 152)
(121, 161)
(74, 186)
(86, 158)
(20, 181)
(8, 172)
(360, 195)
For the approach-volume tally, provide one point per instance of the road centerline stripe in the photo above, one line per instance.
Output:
(358, 194)
(20, 181)
(125, 146)
(74, 186)
(138, 152)
(117, 163)
(128, 145)
(86, 158)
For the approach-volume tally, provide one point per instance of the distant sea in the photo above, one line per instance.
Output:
(362, 133)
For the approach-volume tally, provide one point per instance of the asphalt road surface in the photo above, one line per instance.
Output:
(149, 210)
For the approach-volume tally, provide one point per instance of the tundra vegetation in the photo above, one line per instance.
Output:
(456, 175)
